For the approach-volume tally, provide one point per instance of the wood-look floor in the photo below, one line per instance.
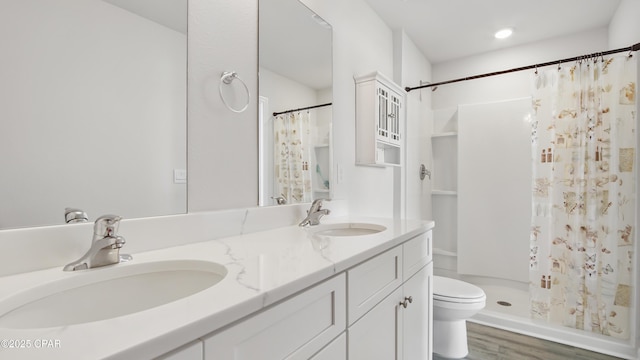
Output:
(487, 343)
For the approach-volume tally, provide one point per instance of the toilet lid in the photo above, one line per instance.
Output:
(447, 289)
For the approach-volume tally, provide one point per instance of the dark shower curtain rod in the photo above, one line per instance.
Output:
(631, 48)
(300, 109)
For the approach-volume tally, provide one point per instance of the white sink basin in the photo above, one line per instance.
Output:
(108, 292)
(348, 229)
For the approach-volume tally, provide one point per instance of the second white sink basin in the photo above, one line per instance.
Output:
(348, 229)
(108, 292)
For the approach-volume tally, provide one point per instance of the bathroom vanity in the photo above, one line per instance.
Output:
(290, 292)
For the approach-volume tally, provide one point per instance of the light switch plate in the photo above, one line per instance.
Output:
(179, 176)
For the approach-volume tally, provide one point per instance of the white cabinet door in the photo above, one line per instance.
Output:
(389, 106)
(337, 350)
(417, 316)
(400, 326)
(377, 336)
(294, 329)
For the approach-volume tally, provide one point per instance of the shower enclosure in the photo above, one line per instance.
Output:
(551, 241)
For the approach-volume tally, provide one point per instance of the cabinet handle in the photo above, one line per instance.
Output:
(406, 302)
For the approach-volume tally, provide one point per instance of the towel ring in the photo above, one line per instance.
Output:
(226, 79)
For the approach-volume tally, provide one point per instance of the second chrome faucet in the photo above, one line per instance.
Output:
(105, 245)
(314, 213)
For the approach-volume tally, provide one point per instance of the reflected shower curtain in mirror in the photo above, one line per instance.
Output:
(292, 157)
(583, 216)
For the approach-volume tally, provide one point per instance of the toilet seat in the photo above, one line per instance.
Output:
(456, 291)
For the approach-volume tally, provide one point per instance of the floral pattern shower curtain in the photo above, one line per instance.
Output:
(292, 157)
(583, 215)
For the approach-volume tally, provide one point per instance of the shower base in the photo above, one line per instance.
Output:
(515, 317)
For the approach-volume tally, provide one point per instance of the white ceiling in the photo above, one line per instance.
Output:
(449, 29)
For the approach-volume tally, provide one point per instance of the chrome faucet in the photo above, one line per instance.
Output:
(314, 213)
(73, 215)
(105, 245)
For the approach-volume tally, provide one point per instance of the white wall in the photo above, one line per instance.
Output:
(494, 148)
(284, 93)
(223, 145)
(411, 67)
(77, 128)
(624, 29)
(513, 85)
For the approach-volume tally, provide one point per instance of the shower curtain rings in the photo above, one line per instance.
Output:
(226, 79)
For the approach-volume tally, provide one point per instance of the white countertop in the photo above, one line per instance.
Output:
(263, 268)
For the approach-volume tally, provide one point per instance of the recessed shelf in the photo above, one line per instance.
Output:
(445, 134)
(444, 192)
(437, 251)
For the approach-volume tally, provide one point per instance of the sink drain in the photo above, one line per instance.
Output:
(504, 303)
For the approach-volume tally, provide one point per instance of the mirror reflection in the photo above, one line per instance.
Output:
(295, 87)
(92, 109)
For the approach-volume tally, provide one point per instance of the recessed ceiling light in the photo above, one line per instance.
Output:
(503, 34)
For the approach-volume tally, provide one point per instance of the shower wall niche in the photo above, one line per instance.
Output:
(444, 191)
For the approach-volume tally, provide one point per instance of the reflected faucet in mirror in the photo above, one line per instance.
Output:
(314, 213)
(105, 245)
(280, 200)
(73, 215)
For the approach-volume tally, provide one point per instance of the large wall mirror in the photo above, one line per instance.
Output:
(93, 106)
(92, 109)
(295, 83)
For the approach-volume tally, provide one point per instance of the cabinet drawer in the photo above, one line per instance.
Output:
(294, 329)
(372, 281)
(416, 254)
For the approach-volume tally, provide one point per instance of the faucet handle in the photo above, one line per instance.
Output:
(317, 205)
(106, 225)
(119, 243)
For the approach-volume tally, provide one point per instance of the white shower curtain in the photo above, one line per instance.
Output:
(583, 215)
(292, 157)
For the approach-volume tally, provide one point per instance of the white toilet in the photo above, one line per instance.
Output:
(454, 301)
